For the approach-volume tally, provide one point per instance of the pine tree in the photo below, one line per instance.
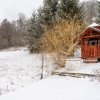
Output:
(70, 9)
(48, 12)
(34, 34)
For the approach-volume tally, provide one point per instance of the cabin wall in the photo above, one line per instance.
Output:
(89, 51)
(90, 43)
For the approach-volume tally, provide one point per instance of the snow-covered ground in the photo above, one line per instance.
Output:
(76, 65)
(18, 69)
(58, 88)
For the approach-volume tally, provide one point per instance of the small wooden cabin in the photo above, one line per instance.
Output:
(90, 43)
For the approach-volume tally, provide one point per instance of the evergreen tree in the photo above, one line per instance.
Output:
(70, 9)
(48, 12)
(34, 34)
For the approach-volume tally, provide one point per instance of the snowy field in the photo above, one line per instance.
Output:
(18, 69)
(58, 88)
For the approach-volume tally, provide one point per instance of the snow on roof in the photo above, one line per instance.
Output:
(93, 25)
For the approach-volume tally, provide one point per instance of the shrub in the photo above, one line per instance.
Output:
(62, 39)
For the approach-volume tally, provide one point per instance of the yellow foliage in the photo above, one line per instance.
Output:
(62, 38)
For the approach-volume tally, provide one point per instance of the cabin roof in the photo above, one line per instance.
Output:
(93, 25)
(95, 29)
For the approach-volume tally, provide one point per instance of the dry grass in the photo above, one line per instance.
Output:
(62, 39)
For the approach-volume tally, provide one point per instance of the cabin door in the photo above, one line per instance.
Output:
(93, 43)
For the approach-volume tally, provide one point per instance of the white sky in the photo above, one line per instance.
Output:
(10, 8)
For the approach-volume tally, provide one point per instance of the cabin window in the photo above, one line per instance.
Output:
(93, 42)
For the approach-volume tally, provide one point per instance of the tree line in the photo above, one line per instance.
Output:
(12, 33)
(48, 16)
(30, 32)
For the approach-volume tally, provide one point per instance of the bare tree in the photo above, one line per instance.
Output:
(10, 30)
(90, 10)
(6, 32)
(21, 28)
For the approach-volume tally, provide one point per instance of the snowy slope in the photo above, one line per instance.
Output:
(18, 69)
(58, 88)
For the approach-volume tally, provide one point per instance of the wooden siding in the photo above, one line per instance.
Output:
(88, 49)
